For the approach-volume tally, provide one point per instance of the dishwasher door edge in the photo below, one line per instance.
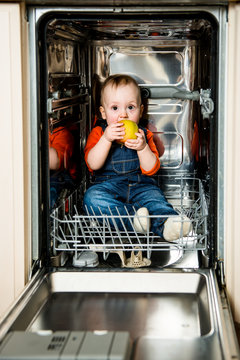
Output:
(20, 303)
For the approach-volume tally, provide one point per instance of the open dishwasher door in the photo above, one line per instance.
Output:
(105, 292)
(142, 314)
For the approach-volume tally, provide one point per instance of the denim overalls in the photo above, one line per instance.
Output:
(120, 187)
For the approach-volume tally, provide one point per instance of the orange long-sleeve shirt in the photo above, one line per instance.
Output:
(63, 142)
(96, 134)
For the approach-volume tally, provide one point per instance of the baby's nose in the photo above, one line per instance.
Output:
(124, 114)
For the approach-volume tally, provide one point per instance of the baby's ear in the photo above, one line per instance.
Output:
(141, 110)
(102, 111)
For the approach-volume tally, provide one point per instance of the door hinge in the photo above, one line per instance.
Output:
(207, 104)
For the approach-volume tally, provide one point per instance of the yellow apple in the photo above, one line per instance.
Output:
(130, 129)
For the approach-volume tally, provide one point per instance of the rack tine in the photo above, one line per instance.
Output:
(98, 227)
(68, 224)
(134, 230)
(124, 227)
(90, 217)
(107, 223)
(77, 220)
(131, 222)
(65, 240)
(115, 225)
(148, 244)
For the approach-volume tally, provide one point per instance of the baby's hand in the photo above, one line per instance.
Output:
(114, 131)
(137, 144)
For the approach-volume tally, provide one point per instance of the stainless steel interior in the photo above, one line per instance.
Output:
(171, 59)
(155, 308)
(90, 301)
(171, 65)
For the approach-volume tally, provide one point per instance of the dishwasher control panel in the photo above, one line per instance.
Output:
(66, 345)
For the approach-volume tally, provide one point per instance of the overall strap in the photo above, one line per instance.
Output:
(145, 131)
(102, 123)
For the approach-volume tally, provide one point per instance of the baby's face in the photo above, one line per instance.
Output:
(121, 102)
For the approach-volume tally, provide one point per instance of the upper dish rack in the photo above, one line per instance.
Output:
(75, 232)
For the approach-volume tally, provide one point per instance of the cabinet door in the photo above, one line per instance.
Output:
(12, 204)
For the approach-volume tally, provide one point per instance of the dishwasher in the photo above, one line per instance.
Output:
(98, 291)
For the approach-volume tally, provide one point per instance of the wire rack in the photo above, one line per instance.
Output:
(75, 231)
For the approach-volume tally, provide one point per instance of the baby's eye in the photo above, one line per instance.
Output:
(131, 107)
(114, 107)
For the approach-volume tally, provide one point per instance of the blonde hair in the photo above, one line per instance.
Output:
(119, 79)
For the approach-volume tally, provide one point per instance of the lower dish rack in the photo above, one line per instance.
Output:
(84, 235)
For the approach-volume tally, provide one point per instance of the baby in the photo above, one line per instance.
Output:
(123, 172)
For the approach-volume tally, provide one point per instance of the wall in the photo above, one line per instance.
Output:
(13, 147)
(232, 161)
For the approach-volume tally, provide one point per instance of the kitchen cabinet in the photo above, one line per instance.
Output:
(15, 159)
